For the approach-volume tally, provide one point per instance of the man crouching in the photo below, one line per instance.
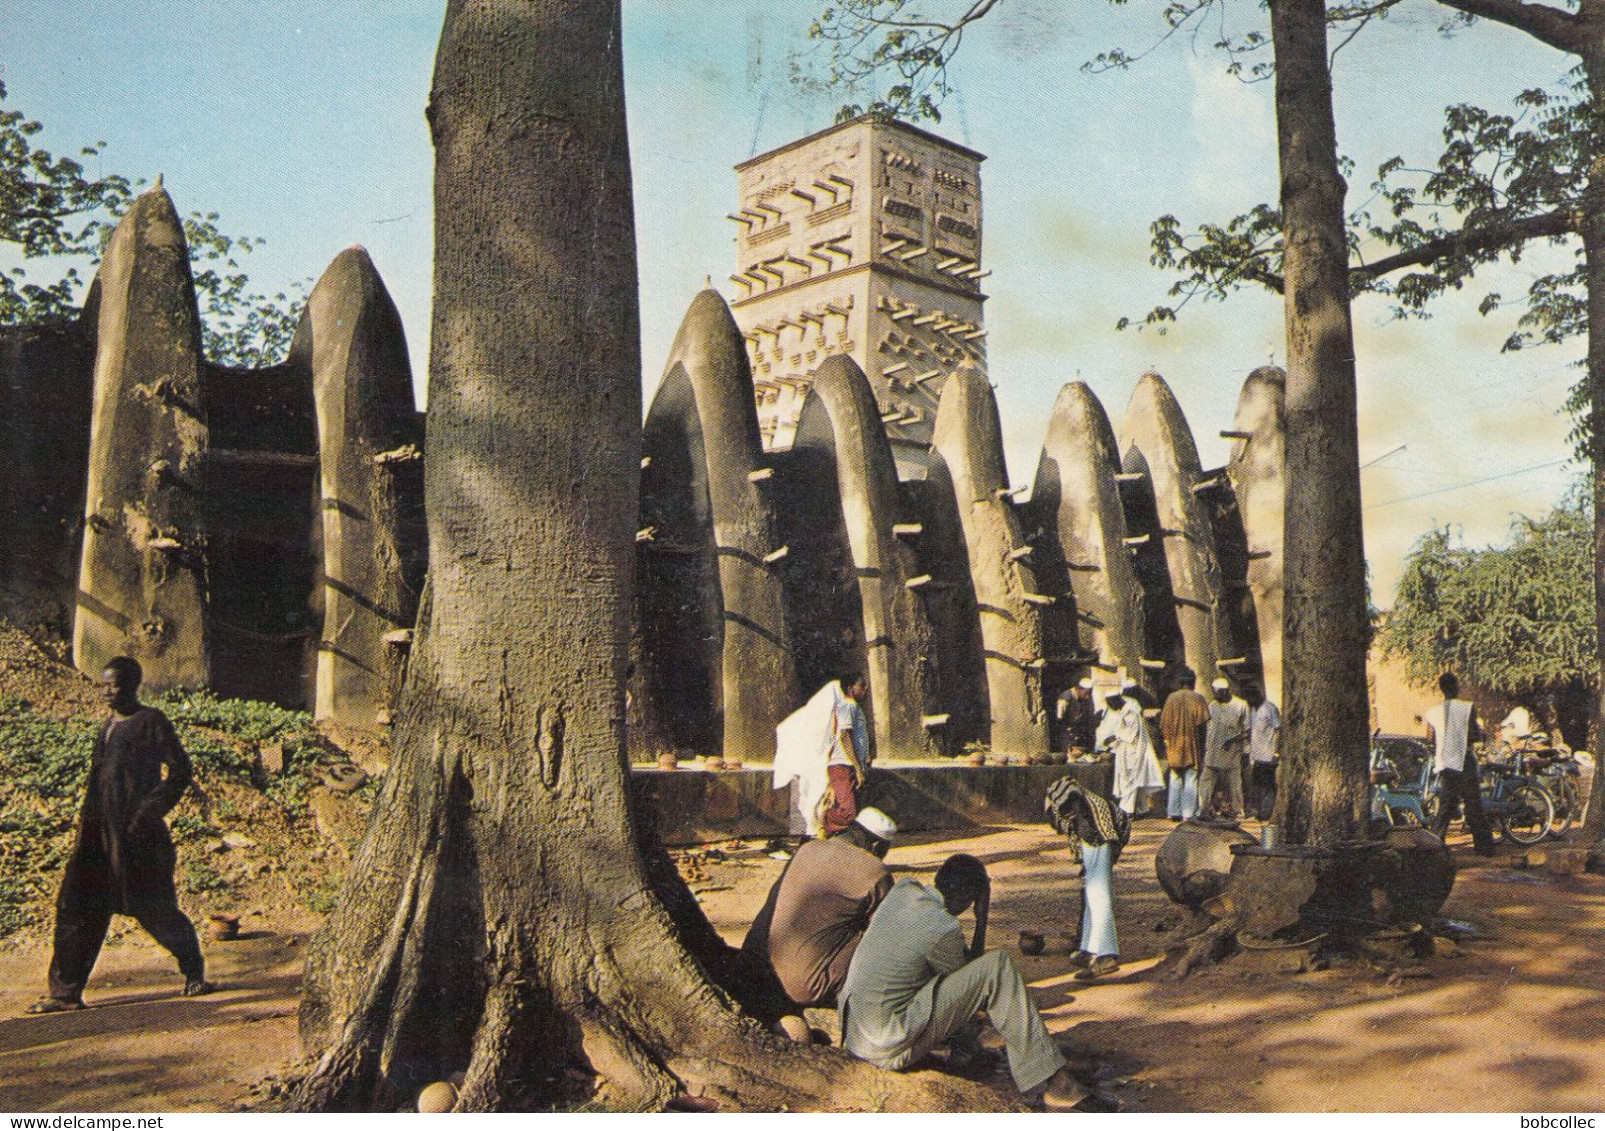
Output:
(912, 984)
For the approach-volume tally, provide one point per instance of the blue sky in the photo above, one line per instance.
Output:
(302, 122)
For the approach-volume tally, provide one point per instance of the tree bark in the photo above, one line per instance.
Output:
(1593, 230)
(499, 920)
(1322, 795)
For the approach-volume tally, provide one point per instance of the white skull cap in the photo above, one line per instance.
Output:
(876, 823)
(1085, 685)
(1221, 683)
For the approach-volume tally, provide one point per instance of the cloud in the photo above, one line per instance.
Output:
(1234, 159)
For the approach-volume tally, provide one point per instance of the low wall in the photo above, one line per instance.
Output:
(699, 807)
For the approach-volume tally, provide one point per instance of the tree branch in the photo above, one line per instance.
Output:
(1558, 28)
(1482, 238)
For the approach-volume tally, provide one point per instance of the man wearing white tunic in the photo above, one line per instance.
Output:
(1124, 733)
(824, 747)
(1224, 744)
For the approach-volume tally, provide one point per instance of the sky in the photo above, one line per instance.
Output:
(301, 122)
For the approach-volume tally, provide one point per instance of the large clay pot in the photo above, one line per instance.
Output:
(1195, 860)
(1412, 878)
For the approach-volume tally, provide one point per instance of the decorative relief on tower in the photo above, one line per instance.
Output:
(863, 240)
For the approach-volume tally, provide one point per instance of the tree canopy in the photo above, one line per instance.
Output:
(52, 210)
(1516, 619)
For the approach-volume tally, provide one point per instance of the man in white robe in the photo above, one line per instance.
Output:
(1124, 733)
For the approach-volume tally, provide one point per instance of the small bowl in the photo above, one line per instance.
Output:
(668, 762)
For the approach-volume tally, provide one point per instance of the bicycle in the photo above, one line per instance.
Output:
(1517, 806)
(1550, 767)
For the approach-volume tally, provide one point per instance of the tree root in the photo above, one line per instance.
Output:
(1206, 948)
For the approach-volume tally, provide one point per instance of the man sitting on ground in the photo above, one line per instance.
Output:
(912, 984)
(820, 906)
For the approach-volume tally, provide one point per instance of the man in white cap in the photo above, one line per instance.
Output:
(1078, 718)
(1124, 732)
(820, 906)
(1224, 744)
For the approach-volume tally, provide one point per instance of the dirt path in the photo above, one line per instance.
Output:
(140, 1046)
(1512, 1021)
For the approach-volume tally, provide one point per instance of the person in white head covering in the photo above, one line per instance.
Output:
(1078, 718)
(1124, 733)
(820, 907)
(1225, 742)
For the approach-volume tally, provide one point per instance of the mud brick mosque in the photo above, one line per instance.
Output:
(822, 487)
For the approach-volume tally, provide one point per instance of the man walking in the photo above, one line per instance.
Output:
(1451, 729)
(122, 860)
(823, 747)
(912, 984)
(1183, 722)
(1224, 742)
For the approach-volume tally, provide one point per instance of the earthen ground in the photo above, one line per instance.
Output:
(1511, 1018)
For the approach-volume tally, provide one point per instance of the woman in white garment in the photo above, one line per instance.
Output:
(1124, 733)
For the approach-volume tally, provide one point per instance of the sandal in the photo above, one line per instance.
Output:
(196, 987)
(55, 1005)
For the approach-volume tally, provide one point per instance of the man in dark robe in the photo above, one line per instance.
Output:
(122, 861)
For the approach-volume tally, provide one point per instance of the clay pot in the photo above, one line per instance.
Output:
(668, 761)
(1032, 942)
(437, 1098)
(712, 763)
(977, 759)
(732, 763)
(795, 1028)
(223, 927)
(345, 778)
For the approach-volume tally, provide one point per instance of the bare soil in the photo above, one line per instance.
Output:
(1509, 1018)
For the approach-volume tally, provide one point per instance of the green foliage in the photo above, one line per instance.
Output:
(201, 878)
(1517, 619)
(322, 895)
(243, 718)
(43, 765)
(868, 37)
(51, 209)
(187, 827)
(210, 729)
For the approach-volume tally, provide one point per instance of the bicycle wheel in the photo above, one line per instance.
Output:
(1531, 813)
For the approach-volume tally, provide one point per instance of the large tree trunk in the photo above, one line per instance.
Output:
(499, 920)
(1593, 228)
(1322, 794)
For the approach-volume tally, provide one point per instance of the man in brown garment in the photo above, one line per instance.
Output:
(1183, 722)
(820, 906)
(122, 859)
